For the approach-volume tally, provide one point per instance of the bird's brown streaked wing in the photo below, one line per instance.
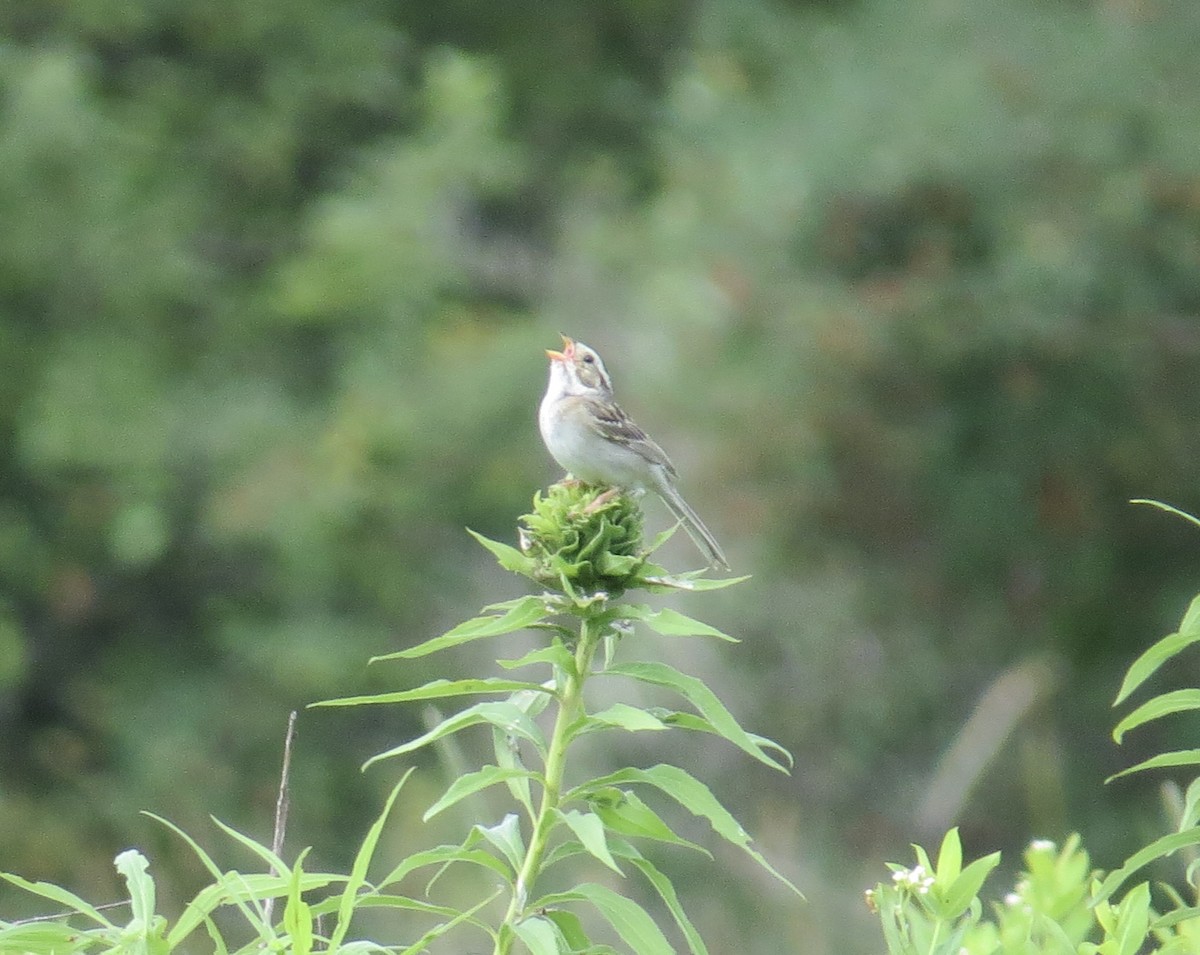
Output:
(613, 424)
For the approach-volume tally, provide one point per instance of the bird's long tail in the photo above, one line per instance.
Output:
(693, 525)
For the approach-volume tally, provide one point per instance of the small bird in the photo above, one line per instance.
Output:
(587, 433)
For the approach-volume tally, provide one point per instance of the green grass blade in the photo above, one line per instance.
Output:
(358, 872)
(59, 896)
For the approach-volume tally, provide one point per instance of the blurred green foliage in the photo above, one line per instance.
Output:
(910, 294)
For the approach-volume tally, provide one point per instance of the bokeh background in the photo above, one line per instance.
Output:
(911, 292)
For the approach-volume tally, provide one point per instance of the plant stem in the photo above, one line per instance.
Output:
(570, 707)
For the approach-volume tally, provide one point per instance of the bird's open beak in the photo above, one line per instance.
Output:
(566, 354)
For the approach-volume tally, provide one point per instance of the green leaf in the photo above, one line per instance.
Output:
(1177, 701)
(1168, 508)
(518, 616)
(508, 756)
(297, 914)
(965, 887)
(508, 556)
(1155, 656)
(556, 655)
(44, 938)
(506, 717)
(437, 690)
(133, 867)
(628, 919)
(58, 896)
(1133, 921)
(590, 831)
(623, 811)
(571, 927)
(421, 944)
(691, 721)
(1190, 624)
(625, 717)
(1190, 815)
(949, 863)
(506, 836)
(358, 871)
(1181, 757)
(472, 783)
(1159, 848)
(671, 623)
(444, 856)
(694, 796)
(273, 862)
(540, 935)
(666, 891)
(701, 697)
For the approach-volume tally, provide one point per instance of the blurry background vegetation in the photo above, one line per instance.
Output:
(911, 292)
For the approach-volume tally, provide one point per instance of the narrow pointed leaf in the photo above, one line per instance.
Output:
(437, 690)
(949, 863)
(628, 919)
(506, 836)
(672, 623)
(624, 812)
(1159, 848)
(701, 697)
(540, 936)
(358, 871)
(966, 885)
(590, 832)
(472, 783)
(1177, 701)
(1181, 757)
(58, 896)
(666, 891)
(502, 715)
(508, 756)
(518, 616)
(625, 717)
(421, 944)
(1168, 508)
(556, 655)
(53, 938)
(506, 555)
(1154, 657)
(692, 721)
(447, 855)
(694, 796)
(273, 862)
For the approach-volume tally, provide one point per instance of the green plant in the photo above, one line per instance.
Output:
(587, 552)
(1059, 906)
